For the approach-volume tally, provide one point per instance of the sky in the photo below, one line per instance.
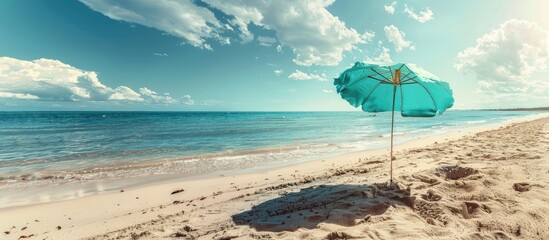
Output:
(237, 55)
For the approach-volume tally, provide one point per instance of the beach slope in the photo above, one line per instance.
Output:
(487, 185)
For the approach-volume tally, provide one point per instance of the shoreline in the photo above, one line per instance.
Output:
(68, 191)
(102, 213)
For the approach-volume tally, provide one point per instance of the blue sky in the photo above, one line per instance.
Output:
(262, 55)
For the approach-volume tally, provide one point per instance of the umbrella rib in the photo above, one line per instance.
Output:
(360, 68)
(364, 101)
(409, 72)
(370, 77)
(409, 79)
(391, 72)
(432, 99)
(381, 75)
(381, 80)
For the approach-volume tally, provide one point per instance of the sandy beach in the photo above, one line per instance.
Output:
(481, 184)
(248, 120)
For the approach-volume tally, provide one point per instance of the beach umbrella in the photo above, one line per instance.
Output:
(400, 87)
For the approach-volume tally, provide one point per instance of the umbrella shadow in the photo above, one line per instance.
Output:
(343, 204)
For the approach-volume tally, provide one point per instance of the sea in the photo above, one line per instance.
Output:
(39, 148)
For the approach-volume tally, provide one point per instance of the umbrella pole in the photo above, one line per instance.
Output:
(392, 126)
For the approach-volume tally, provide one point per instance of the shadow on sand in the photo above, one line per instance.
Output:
(345, 205)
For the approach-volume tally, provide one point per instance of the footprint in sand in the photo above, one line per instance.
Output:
(425, 179)
(521, 187)
(472, 209)
(433, 213)
(469, 208)
(339, 235)
(431, 196)
(456, 172)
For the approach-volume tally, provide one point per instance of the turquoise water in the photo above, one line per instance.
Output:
(85, 146)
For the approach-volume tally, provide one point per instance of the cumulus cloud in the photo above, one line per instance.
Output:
(422, 16)
(315, 36)
(299, 75)
(327, 91)
(179, 18)
(187, 100)
(52, 80)
(368, 36)
(383, 58)
(279, 48)
(397, 38)
(505, 58)
(245, 35)
(123, 93)
(326, 36)
(278, 72)
(152, 96)
(266, 41)
(391, 8)
(18, 96)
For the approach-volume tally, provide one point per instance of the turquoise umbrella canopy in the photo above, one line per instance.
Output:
(402, 87)
(417, 93)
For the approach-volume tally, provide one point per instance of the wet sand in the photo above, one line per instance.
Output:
(490, 184)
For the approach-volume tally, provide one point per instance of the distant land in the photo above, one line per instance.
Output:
(520, 109)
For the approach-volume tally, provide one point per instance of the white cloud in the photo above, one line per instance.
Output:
(160, 54)
(187, 100)
(278, 72)
(124, 93)
(505, 58)
(179, 18)
(52, 80)
(383, 58)
(422, 17)
(245, 35)
(396, 37)
(368, 36)
(18, 96)
(299, 75)
(327, 91)
(266, 41)
(207, 47)
(152, 96)
(315, 36)
(225, 41)
(391, 8)
(279, 48)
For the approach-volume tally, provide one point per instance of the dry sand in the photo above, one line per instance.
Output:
(487, 185)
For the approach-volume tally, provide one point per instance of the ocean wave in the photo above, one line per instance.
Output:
(475, 122)
(187, 165)
(386, 135)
